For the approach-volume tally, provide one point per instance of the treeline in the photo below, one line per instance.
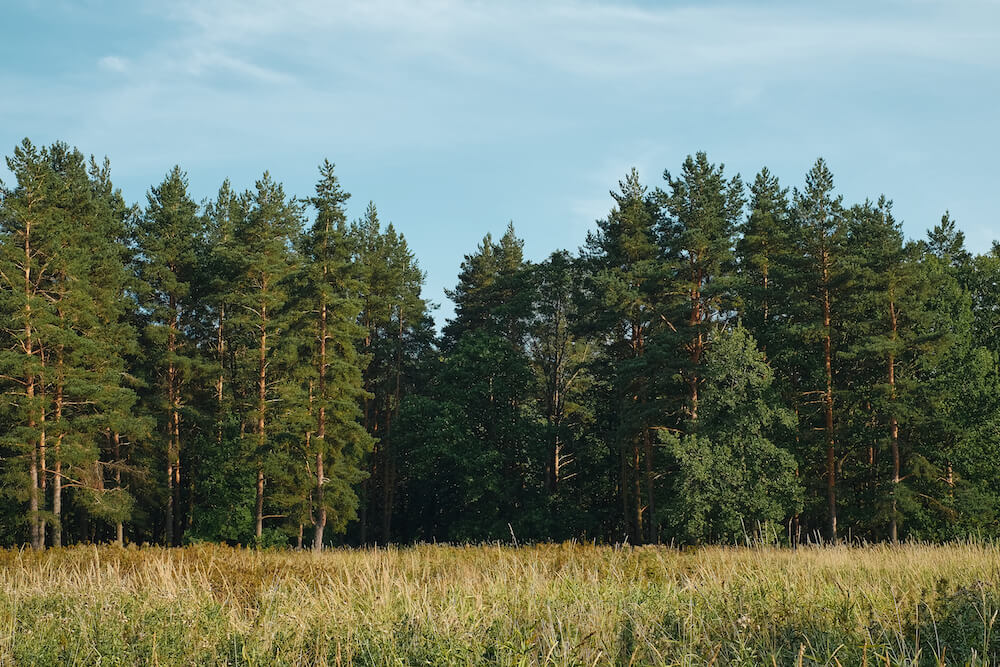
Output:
(717, 360)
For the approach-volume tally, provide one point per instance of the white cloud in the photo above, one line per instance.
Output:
(113, 63)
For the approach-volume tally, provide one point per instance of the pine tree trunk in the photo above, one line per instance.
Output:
(623, 485)
(320, 525)
(636, 531)
(261, 436)
(173, 435)
(57, 476)
(178, 519)
(893, 424)
(363, 514)
(637, 490)
(831, 461)
(42, 462)
(389, 469)
(259, 507)
(37, 536)
(766, 308)
(320, 513)
(219, 382)
(647, 454)
(43, 469)
(698, 345)
(119, 526)
(57, 498)
(169, 518)
(653, 533)
(365, 496)
(552, 472)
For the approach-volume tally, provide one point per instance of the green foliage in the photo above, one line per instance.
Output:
(258, 370)
(731, 478)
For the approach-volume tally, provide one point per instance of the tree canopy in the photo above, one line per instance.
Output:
(718, 362)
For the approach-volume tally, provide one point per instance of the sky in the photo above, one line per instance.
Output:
(456, 116)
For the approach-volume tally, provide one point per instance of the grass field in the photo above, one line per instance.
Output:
(552, 604)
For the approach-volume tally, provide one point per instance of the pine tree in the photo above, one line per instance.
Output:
(223, 493)
(263, 244)
(819, 237)
(762, 253)
(110, 344)
(392, 309)
(339, 442)
(702, 210)
(62, 265)
(168, 236)
(627, 275)
(560, 357)
(563, 357)
(946, 242)
(31, 239)
(882, 305)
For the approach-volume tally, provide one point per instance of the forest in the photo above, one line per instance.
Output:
(720, 360)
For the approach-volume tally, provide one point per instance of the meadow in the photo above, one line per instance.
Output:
(559, 604)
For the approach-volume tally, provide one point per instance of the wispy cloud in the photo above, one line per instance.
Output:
(113, 63)
(590, 39)
(470, 97)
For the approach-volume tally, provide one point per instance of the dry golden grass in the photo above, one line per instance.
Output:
(551, 604)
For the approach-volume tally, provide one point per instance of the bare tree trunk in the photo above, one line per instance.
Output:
(552, 473)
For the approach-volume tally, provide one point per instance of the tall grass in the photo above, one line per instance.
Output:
(552, 604)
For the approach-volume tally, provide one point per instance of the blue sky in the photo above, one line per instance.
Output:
(455, 116)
